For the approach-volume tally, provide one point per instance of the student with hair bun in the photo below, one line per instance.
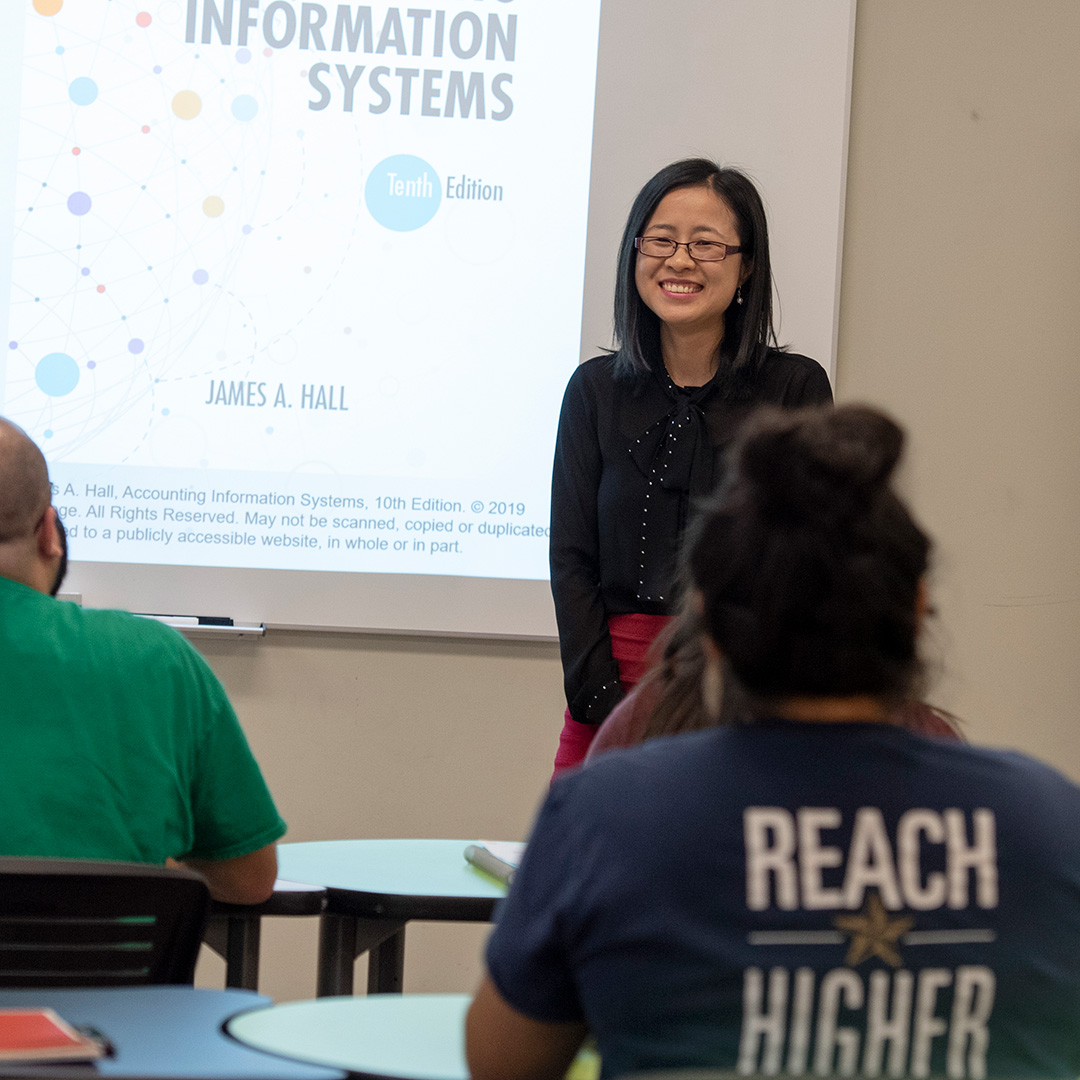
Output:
(812, 888)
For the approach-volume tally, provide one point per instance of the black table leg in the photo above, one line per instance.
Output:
(386, 965)
(337, 954)
(235, 938)
(342, 938)
(242, 952)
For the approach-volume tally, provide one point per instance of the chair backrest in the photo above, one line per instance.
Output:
(77, 922)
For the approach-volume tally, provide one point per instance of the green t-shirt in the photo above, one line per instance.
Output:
(118, 741)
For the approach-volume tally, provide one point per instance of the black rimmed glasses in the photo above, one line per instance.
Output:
(661, 247)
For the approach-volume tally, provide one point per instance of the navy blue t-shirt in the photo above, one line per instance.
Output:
(802, 898)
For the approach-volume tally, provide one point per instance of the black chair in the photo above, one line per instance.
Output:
(78, 922)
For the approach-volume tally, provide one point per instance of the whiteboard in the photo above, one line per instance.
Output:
(760, 84)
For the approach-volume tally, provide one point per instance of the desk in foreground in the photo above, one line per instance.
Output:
(164, 1031)
(389, 1036)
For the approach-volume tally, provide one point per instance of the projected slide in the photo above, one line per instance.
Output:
(298, 285)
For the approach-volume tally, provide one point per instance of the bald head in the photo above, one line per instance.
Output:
(24, 483)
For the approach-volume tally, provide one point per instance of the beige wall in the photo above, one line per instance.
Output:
(960, 312)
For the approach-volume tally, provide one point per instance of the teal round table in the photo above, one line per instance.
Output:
(375, 887)
(406, 1037)
(380, 1037)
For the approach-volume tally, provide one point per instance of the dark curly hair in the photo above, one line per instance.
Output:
(807, 563)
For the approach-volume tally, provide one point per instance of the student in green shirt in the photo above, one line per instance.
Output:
(119, 742)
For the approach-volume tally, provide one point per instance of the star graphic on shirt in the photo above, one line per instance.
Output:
(873, 933)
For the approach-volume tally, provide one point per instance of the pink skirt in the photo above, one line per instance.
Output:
(631, 636)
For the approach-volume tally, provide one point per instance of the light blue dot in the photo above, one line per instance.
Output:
(157, 69)
(200, 277)
(246, 230)
(85, 271)
(48, 433)
(59, 50)
(57, 374)
(243, 56)
(83, 90)
(164, 412)
(79, 203)
(403, 192)
(12, 344)
(91, 364)
(269, 431)
(136, 346)
(245, 107)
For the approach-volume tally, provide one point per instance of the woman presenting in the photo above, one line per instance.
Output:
(641, 430)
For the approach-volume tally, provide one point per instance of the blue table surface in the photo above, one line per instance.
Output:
(168, 1031)
(397, 867)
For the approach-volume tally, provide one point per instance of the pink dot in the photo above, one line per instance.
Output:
(146, 129)
(76, 151)
(143, 18)
(268, 52)
(101, 288)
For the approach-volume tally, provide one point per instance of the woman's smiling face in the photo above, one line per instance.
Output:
(682, 293)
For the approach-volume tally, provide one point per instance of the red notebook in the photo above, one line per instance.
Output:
(41, 1035)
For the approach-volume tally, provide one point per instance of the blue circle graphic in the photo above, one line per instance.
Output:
(403, 192)
(83, 90)
(245, 107)
(79, 203)
(57, 374)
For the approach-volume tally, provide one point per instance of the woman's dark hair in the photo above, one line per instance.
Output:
(672, 685)
(748, 330)
(807, 563)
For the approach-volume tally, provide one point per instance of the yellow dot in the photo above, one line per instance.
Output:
(213, 206)
(187, 104)
(48, 7)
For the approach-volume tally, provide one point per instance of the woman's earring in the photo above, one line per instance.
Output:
(738, 295)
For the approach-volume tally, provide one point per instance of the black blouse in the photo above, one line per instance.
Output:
(631, 457)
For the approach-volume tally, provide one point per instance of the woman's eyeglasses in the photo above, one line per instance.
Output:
(660, 247)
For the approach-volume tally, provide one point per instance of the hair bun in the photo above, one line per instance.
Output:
(817, 461)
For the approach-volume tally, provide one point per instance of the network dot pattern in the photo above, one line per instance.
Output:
(141, 163)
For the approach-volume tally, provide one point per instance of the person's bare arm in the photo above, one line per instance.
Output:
(247, 879)
(503, 1044)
